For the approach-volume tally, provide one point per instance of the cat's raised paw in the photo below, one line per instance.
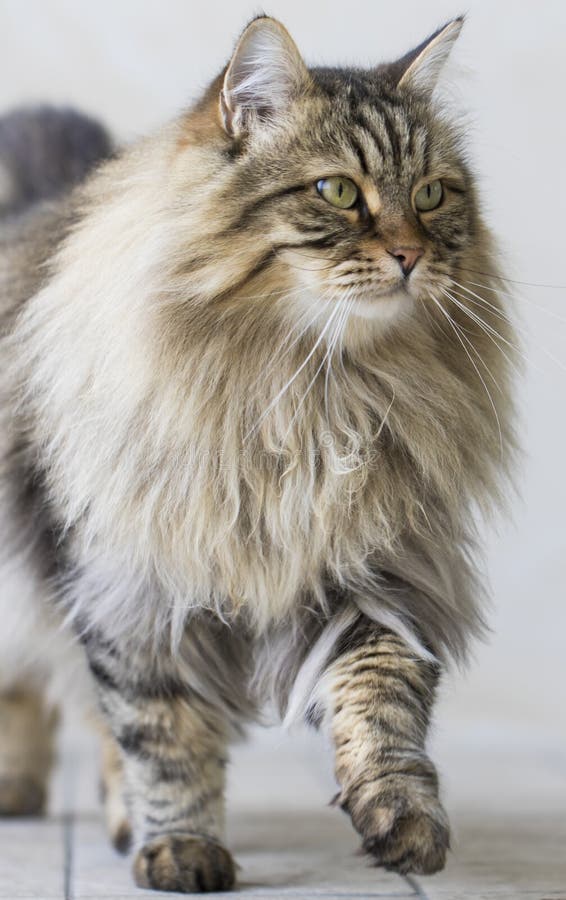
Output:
(405, 828)
(187, 863)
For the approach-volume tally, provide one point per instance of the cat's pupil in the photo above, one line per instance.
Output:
(340, 188)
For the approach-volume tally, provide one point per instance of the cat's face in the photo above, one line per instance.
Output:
(351, 182)
(363, 195)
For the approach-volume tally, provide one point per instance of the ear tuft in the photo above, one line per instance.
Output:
(265, 71)
(419, 70)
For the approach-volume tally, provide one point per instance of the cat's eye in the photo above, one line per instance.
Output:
(338, 191)
(429, 196)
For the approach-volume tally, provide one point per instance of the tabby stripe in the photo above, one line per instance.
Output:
(412, 682)
(326, 242)
(185, 812)
(102, 675)
(367, 126)
(359, 151)
(389, 122)
(387, 694)
(251, 209)
(426, 771)
(171, 770)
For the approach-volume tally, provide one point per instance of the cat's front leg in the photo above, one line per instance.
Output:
(174, 756)
(380, 700)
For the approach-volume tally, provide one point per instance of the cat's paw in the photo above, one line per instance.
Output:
(189, 863)
(402, 823)
(21, 795)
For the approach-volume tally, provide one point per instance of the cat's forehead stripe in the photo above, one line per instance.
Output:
(387, 132)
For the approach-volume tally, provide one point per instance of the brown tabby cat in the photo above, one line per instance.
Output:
(248, 410)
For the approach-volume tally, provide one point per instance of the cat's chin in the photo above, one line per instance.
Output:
(384, 309)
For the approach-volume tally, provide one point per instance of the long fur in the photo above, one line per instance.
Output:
(141, 376)
(242, 456)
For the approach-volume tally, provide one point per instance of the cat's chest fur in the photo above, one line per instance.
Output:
(166, 468)
(263, 516)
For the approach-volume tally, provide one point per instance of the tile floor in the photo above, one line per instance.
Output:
(508, 809)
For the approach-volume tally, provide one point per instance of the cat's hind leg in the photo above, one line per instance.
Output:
(33, 653)
(113, 791)
(27, 729)
(173, 746)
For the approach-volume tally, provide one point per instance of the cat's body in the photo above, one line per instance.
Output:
(239, 468)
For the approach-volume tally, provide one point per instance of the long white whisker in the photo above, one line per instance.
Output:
(517, 296)
(471, 343)
(485, 327)
(479, 374)
(285, 387)
(518, 328)
(338, 336)
(315, 376)
(552, 287)
(282, 352)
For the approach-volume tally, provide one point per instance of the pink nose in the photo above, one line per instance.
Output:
(407, 257)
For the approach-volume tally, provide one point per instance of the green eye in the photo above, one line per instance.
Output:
(429, 196)
(338, 191)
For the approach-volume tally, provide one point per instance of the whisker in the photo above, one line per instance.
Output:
(517, 296)
(305, 362)
(552, 287)
(338, 336)
(283, 351)
(319, 369)
(518, 328)
(485, 328)
(282, 295)
(299, 252)
(479, 374)
(312, 269)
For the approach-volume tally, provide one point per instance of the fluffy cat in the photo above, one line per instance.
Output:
(250, 405)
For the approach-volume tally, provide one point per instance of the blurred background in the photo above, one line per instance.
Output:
(135, 63)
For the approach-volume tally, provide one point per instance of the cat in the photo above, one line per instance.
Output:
(250, 408)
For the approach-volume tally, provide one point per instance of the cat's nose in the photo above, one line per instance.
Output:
(407, 257)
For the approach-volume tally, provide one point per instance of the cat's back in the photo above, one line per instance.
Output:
(44, 154)
(27, 242)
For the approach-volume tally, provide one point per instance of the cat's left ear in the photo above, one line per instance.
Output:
(265, 72)
(419, 70)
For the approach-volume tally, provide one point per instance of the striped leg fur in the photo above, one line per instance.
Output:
(173, 750)
(381, 698)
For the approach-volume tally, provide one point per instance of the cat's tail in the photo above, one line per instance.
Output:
(44, 151)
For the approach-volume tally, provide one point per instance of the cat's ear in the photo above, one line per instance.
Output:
(265, 72)
(419, 70)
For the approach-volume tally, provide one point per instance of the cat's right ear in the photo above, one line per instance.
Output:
(265, 72)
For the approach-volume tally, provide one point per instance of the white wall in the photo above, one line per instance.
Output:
(135, 62)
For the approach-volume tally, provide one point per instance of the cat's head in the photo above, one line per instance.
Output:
(339, 186)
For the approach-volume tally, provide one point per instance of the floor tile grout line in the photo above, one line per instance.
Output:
(68, 827)
(70, 764)
(413, 883)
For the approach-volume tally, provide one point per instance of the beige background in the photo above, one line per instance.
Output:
(136, 62)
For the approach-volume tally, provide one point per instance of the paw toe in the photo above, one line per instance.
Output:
(185, 863)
